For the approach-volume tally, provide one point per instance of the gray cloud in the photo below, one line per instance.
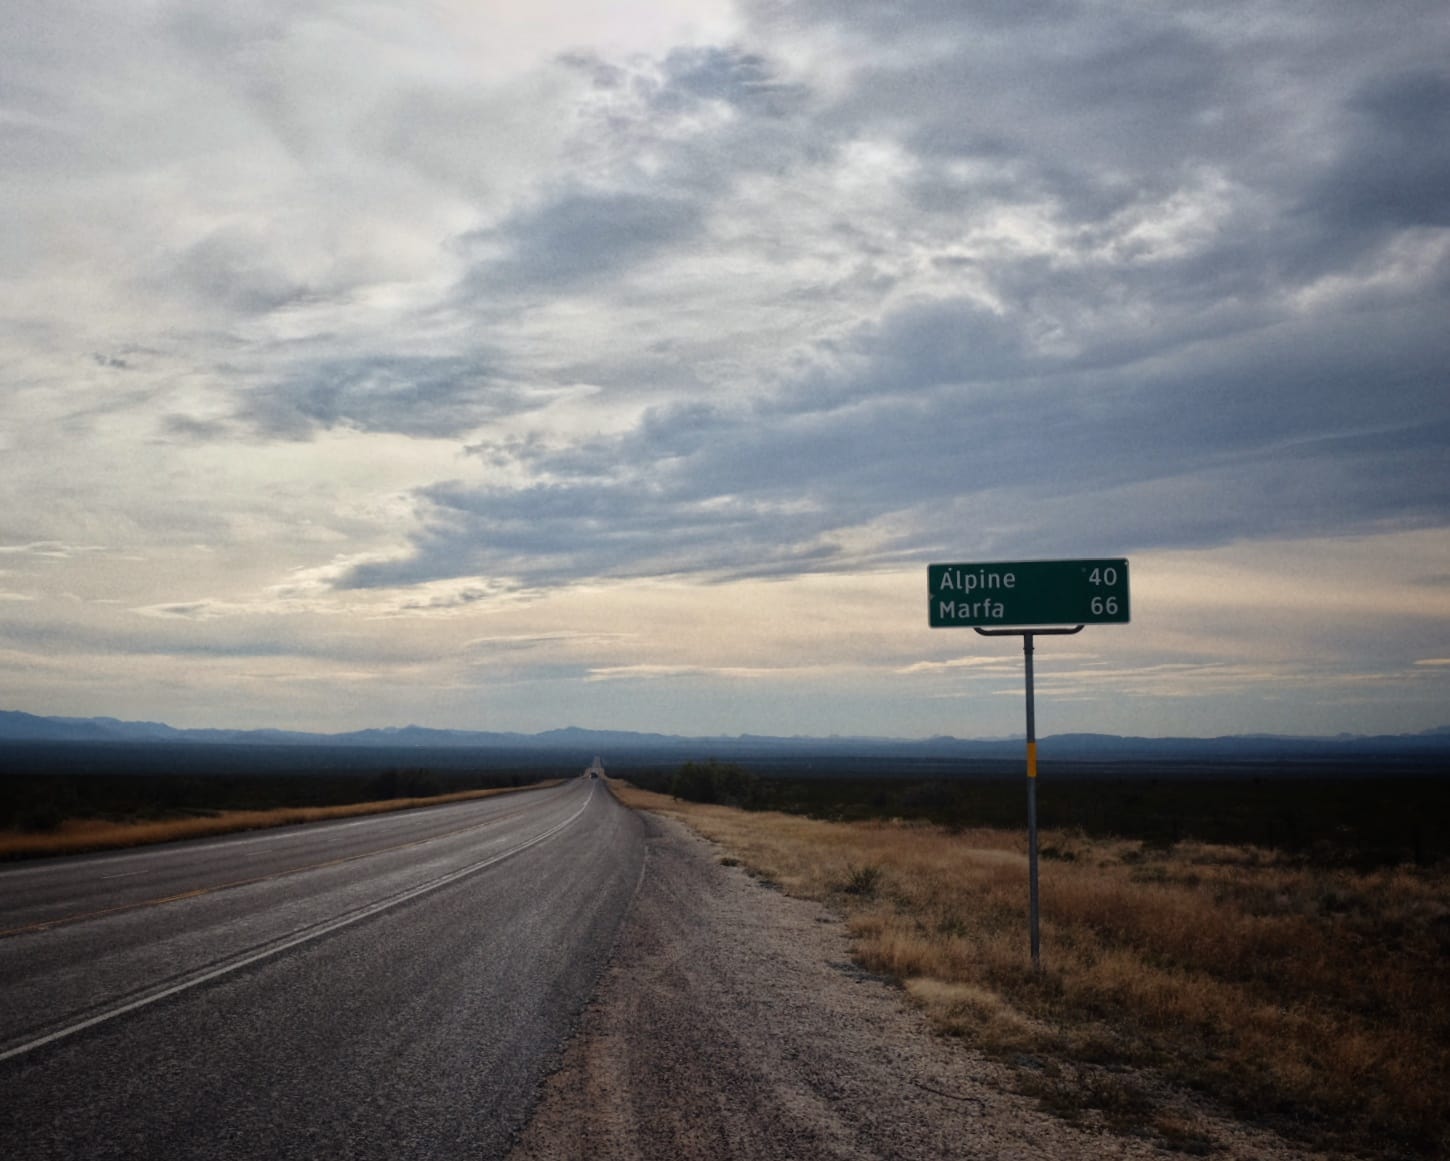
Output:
(411, 395)
(664, 144)
(581, 238)
(551, 535)
(1295, 431)
(1076, 285)
(1394, 167)
(746, 81)
(240, 271)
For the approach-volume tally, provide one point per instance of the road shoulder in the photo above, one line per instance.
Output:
(732, 1023)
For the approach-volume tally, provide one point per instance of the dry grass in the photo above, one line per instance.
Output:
(79, 835)
(1313, 999)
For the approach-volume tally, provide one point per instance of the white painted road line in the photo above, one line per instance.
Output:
(297, 939)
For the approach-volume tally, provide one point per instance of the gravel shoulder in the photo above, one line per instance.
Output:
(732, 1023)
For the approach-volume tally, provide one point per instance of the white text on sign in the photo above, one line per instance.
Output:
(967, 583)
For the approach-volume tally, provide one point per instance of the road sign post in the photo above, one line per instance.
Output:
(991, 597)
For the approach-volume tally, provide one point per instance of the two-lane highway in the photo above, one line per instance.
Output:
(393, 986)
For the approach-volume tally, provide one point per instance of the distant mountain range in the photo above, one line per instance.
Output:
(16, 728)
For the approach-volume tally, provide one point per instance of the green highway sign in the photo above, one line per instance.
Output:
(1028, 592)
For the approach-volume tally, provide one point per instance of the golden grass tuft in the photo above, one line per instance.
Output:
(81, 835)
(1314, 998)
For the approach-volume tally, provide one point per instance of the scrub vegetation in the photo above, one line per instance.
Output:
(1306, 994)
(1361, 815)
(60, 814)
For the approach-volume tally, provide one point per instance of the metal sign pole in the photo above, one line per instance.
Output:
(1027, 651)
(1032, 803)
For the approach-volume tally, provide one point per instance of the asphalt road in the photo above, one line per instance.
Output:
(395, 986)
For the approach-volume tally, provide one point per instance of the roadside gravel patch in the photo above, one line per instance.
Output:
(732, 1023)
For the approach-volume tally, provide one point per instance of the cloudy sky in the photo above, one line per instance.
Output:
(490, 365)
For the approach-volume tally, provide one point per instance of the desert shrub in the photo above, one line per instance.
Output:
(863, 881)
(724, 783)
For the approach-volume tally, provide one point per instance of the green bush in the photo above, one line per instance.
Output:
(724, 783)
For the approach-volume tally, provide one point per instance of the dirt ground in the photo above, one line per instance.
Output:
(732, 1023)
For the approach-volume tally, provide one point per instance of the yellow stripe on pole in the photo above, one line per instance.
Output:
(1032, 759)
